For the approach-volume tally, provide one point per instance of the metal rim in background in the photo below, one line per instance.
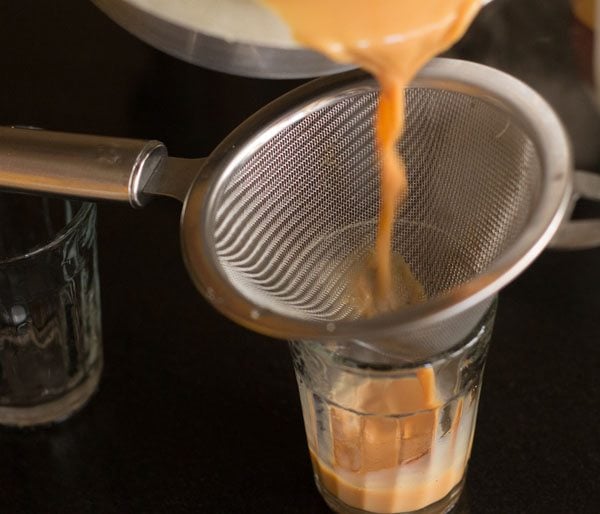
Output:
(238, 58)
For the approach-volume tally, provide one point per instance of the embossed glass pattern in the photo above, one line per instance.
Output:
(50, 327)
(387, 436)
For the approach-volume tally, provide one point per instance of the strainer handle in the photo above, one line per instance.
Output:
(91, 167)
(585, 233)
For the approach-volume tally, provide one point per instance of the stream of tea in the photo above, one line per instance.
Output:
(392, 39)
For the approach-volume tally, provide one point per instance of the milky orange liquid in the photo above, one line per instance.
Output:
(386, 493)
(392, 39)
(388, 445)
(585, 10)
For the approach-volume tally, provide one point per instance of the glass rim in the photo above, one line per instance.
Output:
(399, 366)
(65, 231)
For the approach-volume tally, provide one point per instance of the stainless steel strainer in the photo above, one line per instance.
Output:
(277, 216)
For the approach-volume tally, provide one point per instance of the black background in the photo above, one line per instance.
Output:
(195, 414)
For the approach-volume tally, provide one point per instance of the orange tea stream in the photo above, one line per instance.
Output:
(393, 40)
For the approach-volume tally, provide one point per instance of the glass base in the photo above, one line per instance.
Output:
(55, 410)
(442, 506)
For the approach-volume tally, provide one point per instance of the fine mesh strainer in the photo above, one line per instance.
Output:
(277, 217)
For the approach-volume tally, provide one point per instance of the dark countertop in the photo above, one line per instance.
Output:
(175, 424)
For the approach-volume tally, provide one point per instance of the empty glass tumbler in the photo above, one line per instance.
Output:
(50, 326)
(385, 435)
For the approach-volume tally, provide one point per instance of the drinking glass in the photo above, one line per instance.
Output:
(50, 326)
(386, 435)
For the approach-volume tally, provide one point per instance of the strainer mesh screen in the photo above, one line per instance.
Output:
(297, 216)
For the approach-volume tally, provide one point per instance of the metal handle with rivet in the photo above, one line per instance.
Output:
(91, 167)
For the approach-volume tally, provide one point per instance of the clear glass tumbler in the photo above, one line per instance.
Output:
(386, 436)
(50, 327)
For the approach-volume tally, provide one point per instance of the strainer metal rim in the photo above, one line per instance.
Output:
(499, 88)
